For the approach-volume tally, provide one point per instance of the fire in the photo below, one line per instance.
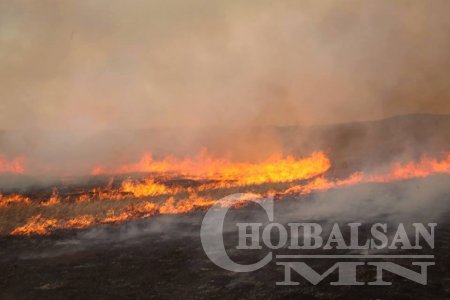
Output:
(15, 166)
(52, 200)
(161, 195)
(133, 211)
(13, 199)
(37, 225)
(80, 222)
(275, 169)
(224, 173)
(148, 188)
(424, 167)
(185, 205)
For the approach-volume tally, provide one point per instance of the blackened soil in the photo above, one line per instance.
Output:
(171, 266)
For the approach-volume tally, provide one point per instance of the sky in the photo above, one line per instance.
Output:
(87, 66)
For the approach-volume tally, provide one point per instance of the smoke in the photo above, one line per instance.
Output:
(424, 200)
(414, 201)
(78, 80)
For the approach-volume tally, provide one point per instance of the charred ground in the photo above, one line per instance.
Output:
(162, 257)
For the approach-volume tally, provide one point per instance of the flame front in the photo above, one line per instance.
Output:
(160, 192)
(275, 169)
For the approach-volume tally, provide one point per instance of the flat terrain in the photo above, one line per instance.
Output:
(162, 257)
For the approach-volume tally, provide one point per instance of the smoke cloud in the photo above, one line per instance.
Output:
(72, 71)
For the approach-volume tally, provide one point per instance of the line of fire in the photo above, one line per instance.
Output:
(202, 149)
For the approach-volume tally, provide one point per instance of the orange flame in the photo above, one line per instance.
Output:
(148, 188)
(13, 199)
(226, 174)
(80, 222)
(37, 225)
(274, 169)
(423, 168)
(52, 200)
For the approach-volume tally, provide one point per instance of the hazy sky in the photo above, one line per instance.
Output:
(91, 65)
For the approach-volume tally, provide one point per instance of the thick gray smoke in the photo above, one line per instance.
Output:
(78, 79)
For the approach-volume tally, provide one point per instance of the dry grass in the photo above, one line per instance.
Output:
(18, 214)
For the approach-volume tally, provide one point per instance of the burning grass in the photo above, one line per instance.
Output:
(168, 193)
